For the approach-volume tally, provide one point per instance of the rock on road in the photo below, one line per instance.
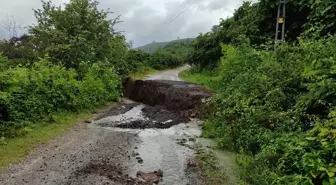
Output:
(99, 153)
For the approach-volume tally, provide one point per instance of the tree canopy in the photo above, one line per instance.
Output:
(256, 22)
(78, 32)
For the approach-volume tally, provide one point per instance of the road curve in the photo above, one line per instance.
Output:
(172, 75)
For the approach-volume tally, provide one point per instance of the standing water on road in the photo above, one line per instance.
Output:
(159, 149)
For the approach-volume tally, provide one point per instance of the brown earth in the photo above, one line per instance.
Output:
(56, 162)
(157, 117)
(179, 96)
(115, 173)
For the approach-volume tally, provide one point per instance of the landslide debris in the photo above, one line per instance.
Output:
(178, 96)
(115, 174)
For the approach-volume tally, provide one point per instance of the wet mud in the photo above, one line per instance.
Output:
(120, 108)
(165, 137)
(141, 117)
(116, 174)
(180, 96)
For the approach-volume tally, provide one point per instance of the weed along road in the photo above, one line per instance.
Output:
(146, 138)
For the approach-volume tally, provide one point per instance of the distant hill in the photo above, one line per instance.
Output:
(152, 47)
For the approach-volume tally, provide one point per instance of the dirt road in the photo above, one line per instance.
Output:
(122, 145)
(168, 75)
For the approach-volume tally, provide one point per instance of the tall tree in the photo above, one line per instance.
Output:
(78, 32)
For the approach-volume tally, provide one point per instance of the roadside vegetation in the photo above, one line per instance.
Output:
(15, 150)
(275, 108)
(208, 163)
(154, 46)
(70, 62)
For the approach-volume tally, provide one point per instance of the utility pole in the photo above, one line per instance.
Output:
(281, 20)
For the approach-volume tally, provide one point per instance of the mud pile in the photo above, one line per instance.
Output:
(147, 117)
(115, 174)
(172, 95)
(157, 118)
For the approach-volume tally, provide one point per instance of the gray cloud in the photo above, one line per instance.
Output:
(144, 21)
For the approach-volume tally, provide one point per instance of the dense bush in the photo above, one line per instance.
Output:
(36, 93)
(162, 59)
(278, 107)
(3, 62)
(206, 50)
(137, 60)
(84, 55)
(19, 48)
(256, 21)
(173, 54)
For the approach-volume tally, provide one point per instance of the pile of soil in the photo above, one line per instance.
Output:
(156, 117)
(172, 95)
(115, 174)
(120, 108)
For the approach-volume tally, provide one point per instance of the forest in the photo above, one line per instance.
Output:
(72, 59)
(276, 109)
(152, 47)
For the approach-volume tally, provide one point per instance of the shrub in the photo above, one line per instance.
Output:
(162, 59)
(33, 94)
(278, 107)
(137, 60)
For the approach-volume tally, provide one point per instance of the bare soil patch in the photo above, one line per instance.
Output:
(180, 96)
(115, 173)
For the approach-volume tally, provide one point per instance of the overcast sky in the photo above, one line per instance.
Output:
(144, 21)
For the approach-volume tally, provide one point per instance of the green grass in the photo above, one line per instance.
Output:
(208, 163)
(143, 73)
(146, 71)
(204, 78)
(16, 149)
(3, 65)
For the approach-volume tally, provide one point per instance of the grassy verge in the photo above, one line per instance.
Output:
(203, 78)
(207, 159)
(14, 150)
(208, 164)
(143, 73)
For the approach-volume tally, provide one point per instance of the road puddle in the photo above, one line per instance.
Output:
(167, 149)
(132, 115)
(159, 149)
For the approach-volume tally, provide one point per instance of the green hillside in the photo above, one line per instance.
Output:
(152, 47)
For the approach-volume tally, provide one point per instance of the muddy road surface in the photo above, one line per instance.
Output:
(127, 144)
(172, 75)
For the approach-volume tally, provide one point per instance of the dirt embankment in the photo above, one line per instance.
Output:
(178, 96)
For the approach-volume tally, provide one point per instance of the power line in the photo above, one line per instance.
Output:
(176, 17)
(185, 1)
